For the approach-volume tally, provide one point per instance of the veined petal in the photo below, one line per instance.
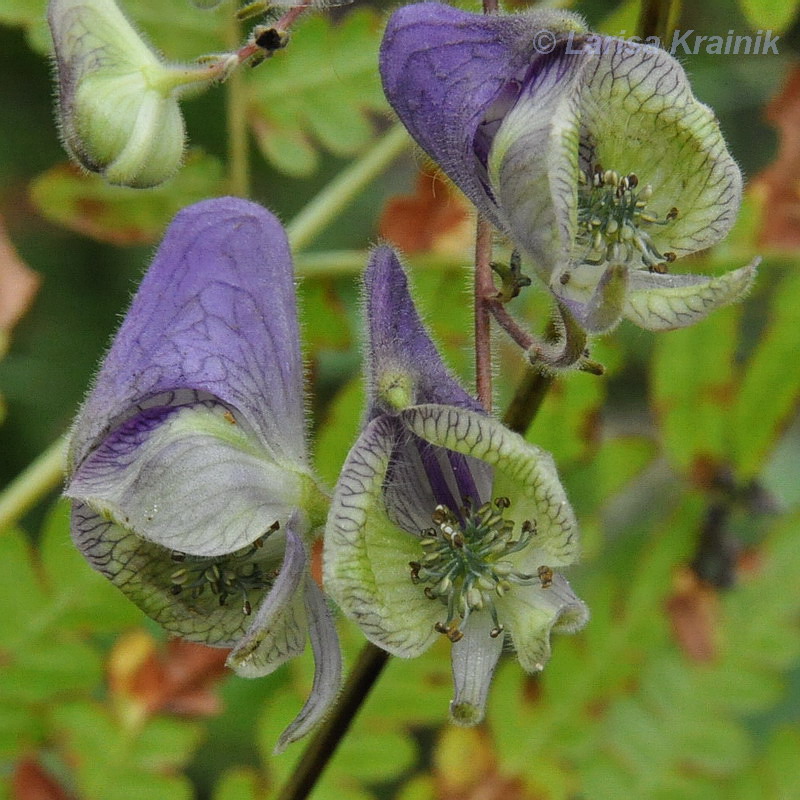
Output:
(187, 478)
(603, 309)
(533, 163)
(403, 364)
(522, 472)
(530, 613)
(327, 668)
(144, 571)
(367, 555)
(474, 659)
(442, 71)
(278, 629)
(640, 116)
(215, 315)
(664, 302)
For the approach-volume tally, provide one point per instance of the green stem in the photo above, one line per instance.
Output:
(236, 120)
(335, 263)
(41, 476)
(335, 197)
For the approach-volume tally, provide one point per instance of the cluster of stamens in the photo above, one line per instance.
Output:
(465, 563)
(612, 220)
(235, 574)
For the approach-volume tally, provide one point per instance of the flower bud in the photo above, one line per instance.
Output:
(117, 101)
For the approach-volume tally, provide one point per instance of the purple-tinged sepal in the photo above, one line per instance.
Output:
(590, 153)
(443, 521)
(188, 467)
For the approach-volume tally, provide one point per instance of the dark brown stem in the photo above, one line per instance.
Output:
(658, 18)
(365, 672)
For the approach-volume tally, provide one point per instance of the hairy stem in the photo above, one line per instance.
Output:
(334, 198)
(40, 477)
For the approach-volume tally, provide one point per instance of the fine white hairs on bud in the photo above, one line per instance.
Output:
(117, 100)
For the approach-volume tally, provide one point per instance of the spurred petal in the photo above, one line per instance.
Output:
(367, 556)
(522, 472)
(532, 612)
(278, 630)
(403, 364)
(664, 302)
(327, 667)
(474, 660)
(443, 69)
(214, 315)
(187, 478)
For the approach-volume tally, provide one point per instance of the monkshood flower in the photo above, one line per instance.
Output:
(590, 153)
(188, 468)
(118, 106)
(443, 521)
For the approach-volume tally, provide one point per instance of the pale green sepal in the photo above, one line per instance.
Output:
(327, 668)
(367, 556)
(278, 628)
(639, 113)
(531, 613)
(524, 473)
(664, 302)
(533, 167)
(474, 659)
(143, 571)
(194, 483)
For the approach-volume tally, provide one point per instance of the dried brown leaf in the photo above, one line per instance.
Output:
(778, 186)
(18, 283)
(436, 218)
(693, 610)
(31, 782)
(178, 679)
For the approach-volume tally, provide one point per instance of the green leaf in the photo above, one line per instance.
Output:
(772, 15)
(115, 762)
(339, 430)
(290, 95)
(770, 384)
(693, 382)
(568, 423)
(241, 783)
(88, 205)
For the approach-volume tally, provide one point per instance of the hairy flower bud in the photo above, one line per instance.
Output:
(117, 100)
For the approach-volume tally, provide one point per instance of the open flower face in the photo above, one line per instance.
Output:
(591, 153)
(443, 521)
(188, 467)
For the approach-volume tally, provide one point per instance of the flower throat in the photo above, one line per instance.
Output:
(464, 567)
(613, 221)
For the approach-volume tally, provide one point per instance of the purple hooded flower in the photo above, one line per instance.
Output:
(188, 467)
(443, 521)
(590, 153)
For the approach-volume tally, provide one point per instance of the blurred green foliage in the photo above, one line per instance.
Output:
(688, 450)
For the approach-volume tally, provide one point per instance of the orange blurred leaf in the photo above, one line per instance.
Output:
(693, 610)
(18, 283)
(179, 679)
(778, 186)
(436, 218)
(31, 782)
(466, 768)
